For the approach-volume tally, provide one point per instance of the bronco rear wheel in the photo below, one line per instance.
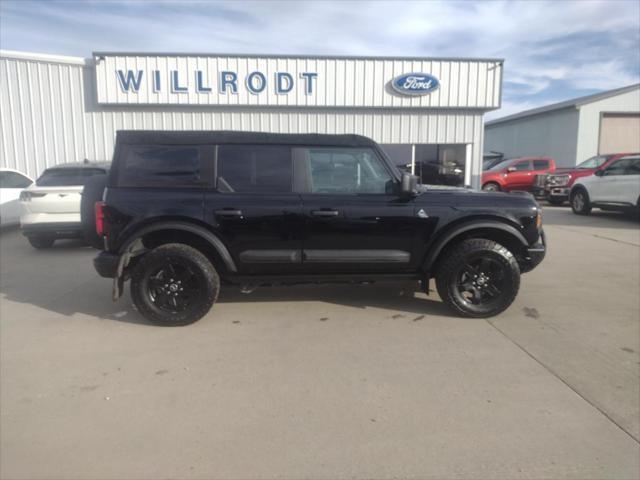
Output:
(478, 278)
(174, 285)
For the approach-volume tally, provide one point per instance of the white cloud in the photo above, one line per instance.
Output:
(550, 47)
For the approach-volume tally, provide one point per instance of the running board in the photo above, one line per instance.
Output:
(321, 278)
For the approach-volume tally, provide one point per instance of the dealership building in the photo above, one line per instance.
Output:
(571, 131)
(427, 113)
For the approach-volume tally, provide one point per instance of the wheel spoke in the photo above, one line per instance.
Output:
(492, 290)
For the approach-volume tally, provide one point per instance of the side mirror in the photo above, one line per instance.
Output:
(408, 184)
(599, 173)
(511, 169)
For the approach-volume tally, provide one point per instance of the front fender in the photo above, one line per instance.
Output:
(445, 238)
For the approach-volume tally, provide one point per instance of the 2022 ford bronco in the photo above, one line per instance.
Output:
(183, 211)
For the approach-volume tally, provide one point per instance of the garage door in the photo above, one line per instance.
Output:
(619, 133)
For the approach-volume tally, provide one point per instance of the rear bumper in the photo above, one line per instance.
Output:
(535, 254)
(56, 229)
(106, 264)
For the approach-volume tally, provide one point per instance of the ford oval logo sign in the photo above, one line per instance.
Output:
(415, 83)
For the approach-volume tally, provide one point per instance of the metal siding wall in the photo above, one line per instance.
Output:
(49, 115)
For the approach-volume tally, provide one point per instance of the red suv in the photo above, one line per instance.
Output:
(558, 184)
(516, 173)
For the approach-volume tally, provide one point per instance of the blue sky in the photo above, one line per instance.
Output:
(554, 50)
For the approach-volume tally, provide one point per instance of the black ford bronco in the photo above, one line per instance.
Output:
(184, 211)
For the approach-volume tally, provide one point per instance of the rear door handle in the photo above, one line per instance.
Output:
(324, 213)
(228, 213)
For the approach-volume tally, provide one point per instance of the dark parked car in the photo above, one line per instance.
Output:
(184, 210)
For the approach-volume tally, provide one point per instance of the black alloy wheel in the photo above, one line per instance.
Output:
(478, 278)
(174, 284)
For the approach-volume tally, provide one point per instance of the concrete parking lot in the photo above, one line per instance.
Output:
(327, 382)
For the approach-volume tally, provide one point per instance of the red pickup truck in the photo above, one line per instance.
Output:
(558, 184)
(516, 173)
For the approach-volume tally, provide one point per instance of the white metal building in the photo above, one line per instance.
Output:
(57, 109)
(571, 131)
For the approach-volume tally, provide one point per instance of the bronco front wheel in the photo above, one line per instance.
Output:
(478, 278)
(174, 285)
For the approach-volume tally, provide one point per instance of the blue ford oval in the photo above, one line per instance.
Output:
(415, 83)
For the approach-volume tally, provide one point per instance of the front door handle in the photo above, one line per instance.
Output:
(324, 213)
(228, 213)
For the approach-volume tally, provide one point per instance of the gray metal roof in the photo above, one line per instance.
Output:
(575, 102)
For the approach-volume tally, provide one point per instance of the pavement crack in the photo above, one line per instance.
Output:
(548, 369)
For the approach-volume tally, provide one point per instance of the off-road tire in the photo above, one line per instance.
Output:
(41, 241)
(580, 207)
(91, 193)
(491, 187)
(200, 266)
(455, 257)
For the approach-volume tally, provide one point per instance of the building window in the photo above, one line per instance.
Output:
(441, 164)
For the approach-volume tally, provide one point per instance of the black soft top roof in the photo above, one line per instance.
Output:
(198, 137)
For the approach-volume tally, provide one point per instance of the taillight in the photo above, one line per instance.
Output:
(99, 210)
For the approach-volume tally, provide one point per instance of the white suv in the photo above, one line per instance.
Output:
(12, 182)
(616, 187)
(51, 206)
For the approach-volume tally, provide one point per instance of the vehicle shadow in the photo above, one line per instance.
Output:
(61, 280)
(388, 296)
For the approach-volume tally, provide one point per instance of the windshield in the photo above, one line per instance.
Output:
(593, 162)
(66, 177)
(501, 165)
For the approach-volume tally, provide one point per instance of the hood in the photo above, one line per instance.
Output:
(458, 197)
(562, 171)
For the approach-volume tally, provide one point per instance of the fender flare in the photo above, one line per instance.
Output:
(202, 232)
(438, 246)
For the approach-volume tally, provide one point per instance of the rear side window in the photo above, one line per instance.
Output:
(254, 169)
(522, 166)
(67, 177)
(540, 164)
(162, 166)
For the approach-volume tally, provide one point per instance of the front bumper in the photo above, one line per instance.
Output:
(106, 264)
(535, 254)
(557, 192)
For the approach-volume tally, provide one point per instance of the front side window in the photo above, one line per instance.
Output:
(254, 169)
(13, 180)
(67, 177)
(161, 166)
(346, 171)
(619, 167)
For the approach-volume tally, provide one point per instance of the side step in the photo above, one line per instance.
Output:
(260, 280)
